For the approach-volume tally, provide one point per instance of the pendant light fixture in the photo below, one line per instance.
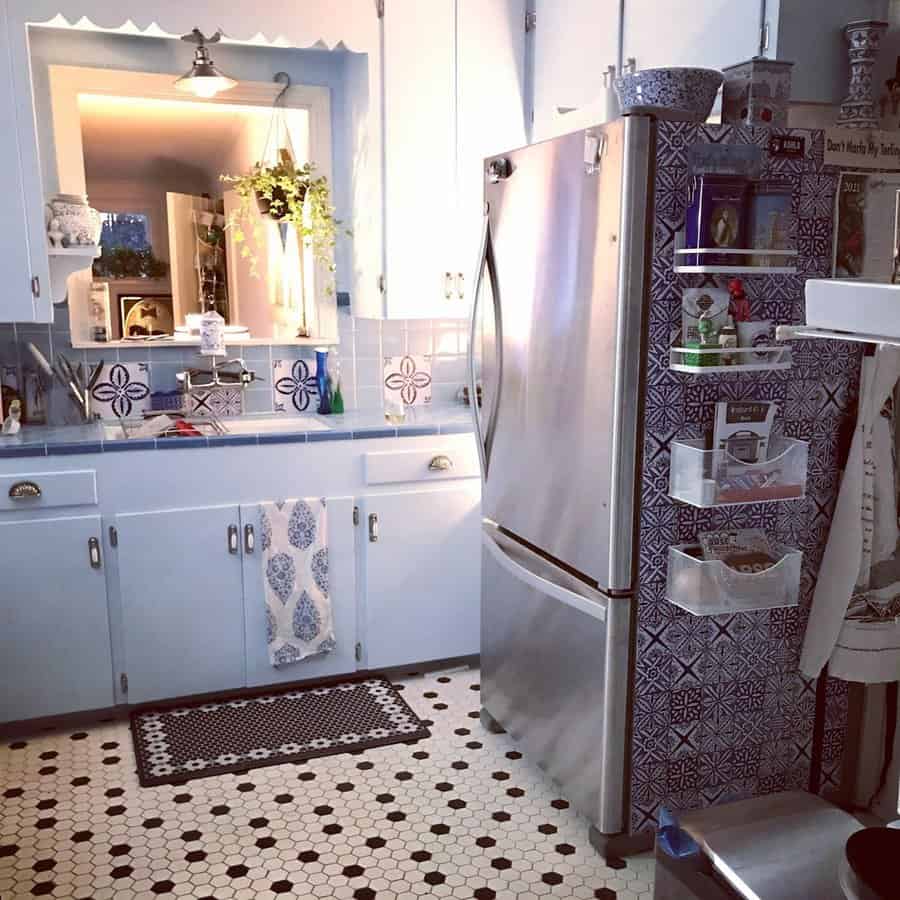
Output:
(204, 79)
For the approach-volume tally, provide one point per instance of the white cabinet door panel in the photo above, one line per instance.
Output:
(574, 43)
(420, 153)
(182, 602)
(422, 592)
(342, 593)
(16, 301)
(704, 33)
(54, 626)
(490, 114)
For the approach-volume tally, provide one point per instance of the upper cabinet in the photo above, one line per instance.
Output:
(453, 94)
(703, 33)
(576, 42)
(25, 275)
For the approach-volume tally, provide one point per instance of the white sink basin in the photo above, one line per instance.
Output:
(274, 425)
(268, 425)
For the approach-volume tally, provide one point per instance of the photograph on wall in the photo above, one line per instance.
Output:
(865, 242)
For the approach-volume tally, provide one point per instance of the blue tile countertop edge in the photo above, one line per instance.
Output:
(83, 439)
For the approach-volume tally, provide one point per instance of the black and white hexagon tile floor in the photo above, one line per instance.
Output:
(460, 815)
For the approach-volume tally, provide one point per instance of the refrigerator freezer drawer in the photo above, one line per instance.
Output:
(554, 673)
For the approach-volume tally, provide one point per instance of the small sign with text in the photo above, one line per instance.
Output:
(848, 148)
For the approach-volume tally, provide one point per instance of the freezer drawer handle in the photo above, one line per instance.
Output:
(594, 608)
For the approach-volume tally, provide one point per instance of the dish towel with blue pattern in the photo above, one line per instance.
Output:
(294, 538)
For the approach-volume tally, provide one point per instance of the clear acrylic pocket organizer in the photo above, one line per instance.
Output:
(709, 587)
(708, 478)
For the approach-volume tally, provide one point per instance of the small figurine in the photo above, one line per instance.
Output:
(706, 329)
(739, 307)
(12, 424)
(55, 233)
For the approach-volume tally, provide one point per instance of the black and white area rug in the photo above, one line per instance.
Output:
(177, 744)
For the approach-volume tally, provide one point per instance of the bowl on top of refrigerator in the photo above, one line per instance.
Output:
(677, 94)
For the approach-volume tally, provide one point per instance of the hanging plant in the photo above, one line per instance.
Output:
(287, 194)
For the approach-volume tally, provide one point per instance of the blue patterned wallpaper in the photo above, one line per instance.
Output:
(721, 712)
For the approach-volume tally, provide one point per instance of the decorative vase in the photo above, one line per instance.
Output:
(757, 92)
(71, 216)
(322, 383)
(859, 107)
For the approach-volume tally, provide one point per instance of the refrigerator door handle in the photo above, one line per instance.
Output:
(485, 438)
(590, 602)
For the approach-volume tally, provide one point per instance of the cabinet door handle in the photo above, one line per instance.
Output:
(249, 539)
(24, 490)
(373, 527)
(448, 285)
(94, 553)
(460, 286)
(440, 464)
(233, 539)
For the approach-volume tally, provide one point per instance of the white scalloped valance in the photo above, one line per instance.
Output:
(285, 23)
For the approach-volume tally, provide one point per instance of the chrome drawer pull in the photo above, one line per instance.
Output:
(440, 464)
(24, 490)
(94, 553)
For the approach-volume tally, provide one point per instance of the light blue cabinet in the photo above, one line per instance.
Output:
(342, 593)
(421, 570)
(17, 303)
(54, 627)
(181, 596)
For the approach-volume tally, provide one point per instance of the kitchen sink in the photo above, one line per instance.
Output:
(136, 429)
(274, 425)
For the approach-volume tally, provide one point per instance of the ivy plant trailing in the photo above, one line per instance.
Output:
(290, 194)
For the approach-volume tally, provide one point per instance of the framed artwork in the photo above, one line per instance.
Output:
(145, 315)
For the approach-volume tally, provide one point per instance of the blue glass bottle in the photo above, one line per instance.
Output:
(322, 383)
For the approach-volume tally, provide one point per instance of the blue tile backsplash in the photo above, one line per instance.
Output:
(364, 344)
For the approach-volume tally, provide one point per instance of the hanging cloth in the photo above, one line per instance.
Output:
(854, 623)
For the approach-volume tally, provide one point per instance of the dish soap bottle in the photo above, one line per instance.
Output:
(212, 332)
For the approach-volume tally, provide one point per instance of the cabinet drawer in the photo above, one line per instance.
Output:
(421, 465)
(46, 490)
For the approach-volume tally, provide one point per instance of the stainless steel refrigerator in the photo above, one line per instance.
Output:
(558, 342)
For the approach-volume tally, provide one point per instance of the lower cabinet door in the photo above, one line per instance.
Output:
(341, 594)
(54, 624)
(182, 604)
(422, 575)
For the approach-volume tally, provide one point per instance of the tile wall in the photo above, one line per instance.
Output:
(721, 711)
(364, 345)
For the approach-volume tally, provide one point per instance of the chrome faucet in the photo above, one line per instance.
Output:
(229, 373)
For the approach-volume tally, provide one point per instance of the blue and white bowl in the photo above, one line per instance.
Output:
(677, 94)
